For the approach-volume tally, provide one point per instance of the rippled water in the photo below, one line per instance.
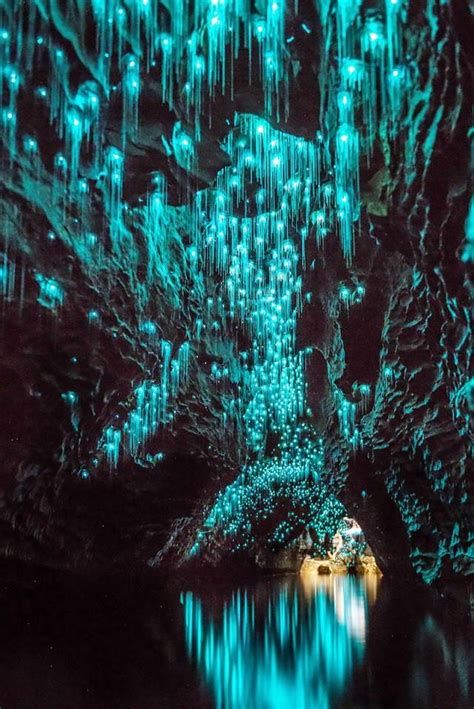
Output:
(313, 642)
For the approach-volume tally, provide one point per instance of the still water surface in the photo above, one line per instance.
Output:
(312, 642)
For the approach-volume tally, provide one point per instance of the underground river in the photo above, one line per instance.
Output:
(305, 641)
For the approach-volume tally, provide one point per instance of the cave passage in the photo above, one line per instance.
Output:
(224, 317)
(236, 321)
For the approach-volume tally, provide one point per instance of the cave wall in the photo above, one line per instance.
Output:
(95, 284)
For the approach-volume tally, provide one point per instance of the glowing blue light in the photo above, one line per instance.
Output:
(148, 327)
(50, 295)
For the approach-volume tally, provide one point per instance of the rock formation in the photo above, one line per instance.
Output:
(236, 241)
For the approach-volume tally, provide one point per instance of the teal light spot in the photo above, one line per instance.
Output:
(51, 295)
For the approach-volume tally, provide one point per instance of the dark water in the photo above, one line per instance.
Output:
(310, 642)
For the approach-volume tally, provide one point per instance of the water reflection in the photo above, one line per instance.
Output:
(337, 642)
(293, 643)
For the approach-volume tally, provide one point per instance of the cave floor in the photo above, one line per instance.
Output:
(295, 641)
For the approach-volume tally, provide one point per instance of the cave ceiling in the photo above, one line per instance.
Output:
(235, 294)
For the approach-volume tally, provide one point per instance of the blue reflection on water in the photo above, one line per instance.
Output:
(293, 644)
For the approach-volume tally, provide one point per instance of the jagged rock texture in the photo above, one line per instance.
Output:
(409, 487)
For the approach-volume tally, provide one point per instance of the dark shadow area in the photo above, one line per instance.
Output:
(296, 641)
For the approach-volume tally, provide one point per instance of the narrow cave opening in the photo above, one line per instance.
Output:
(347, 551)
